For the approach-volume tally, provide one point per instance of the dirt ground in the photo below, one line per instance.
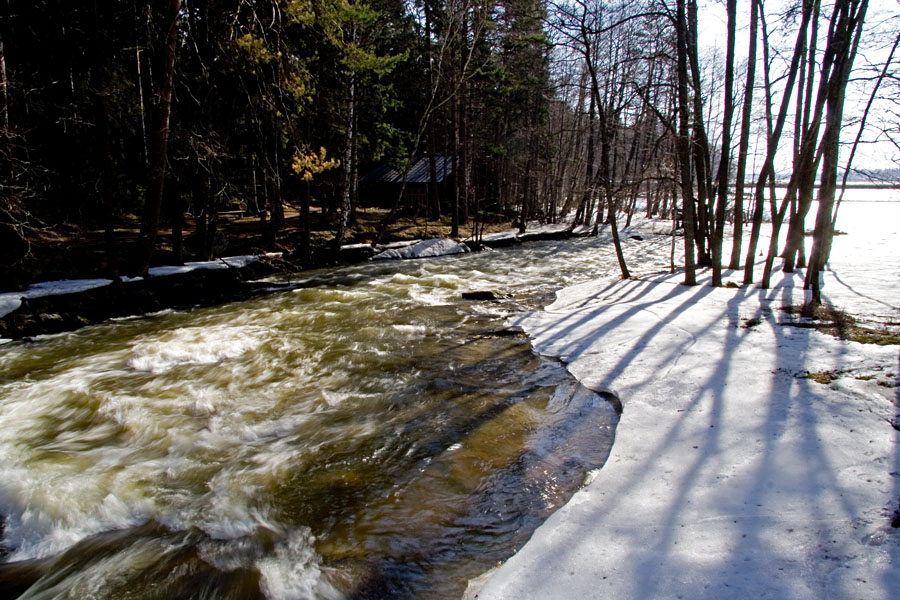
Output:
(74, 252)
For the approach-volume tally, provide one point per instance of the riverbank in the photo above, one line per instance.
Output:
(756, 457)
(86, 251)
(66, 305)
(55, 307)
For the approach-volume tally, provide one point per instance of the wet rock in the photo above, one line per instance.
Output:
(355, 253)
(507, 332)
(480, 295)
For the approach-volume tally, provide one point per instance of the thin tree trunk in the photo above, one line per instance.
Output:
(744, 143)
(836, 53)
(348, 165)
(605, 181)
(434, 200)
(722, 174)
(177, 223)
(793, 253)
(700, 143)
(684, 145)
(160, 135)
(464, 159)
(454, 209)
(4, 86)
(772, 145)
(850, 26)
(859, 133)
(588, 196)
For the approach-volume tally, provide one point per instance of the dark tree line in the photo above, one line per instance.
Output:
(155, 110)
(149, 111)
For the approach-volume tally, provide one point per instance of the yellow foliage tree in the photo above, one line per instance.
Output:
(307, 163)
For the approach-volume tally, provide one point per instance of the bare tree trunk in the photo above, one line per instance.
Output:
(589, 193)
(605, 180)
(464, 158)
(354, 171)
(700, 144)
(850, 26)
(722, 174)
(836, 55)
(434, 200)
(160, 136)
(744, 143)
(305, 234)
(177, 222)
(684, 145)
(454, 208)
(862, 126)
(276, 198)
(349, 140)
(793, 252)
(4, 86)
(772, 145)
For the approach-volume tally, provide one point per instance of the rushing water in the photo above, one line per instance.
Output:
(367, 434)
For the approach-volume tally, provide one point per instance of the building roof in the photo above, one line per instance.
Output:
(418, 171)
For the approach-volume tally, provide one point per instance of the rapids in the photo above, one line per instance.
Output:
(366, 434)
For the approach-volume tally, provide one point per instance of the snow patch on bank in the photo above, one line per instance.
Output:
(424, 249)
(230, 262)
(11, 301)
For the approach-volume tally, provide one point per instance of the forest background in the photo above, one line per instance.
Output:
(140, 130)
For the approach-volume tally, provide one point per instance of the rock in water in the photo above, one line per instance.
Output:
(479, 295)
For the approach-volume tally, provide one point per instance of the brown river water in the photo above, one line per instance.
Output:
(367, 434)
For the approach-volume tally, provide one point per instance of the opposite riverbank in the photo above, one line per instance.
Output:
(66, 305)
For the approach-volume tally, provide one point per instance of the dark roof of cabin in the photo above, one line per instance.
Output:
(418, 172)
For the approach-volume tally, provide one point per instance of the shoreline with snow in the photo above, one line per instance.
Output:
(67, 305)
(57, 306)
(736, 472)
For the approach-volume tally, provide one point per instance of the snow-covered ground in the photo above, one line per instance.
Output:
(733, 474)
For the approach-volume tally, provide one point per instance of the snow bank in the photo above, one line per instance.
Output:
(11, 301)
(424, 249)
(231, 262)
(733, 474)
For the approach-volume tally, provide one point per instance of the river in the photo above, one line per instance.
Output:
(366, 434)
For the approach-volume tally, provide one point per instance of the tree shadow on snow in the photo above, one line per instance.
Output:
(751, 495)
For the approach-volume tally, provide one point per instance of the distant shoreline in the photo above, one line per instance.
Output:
(849, 186)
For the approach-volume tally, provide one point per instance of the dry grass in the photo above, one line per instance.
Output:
(824, 377)
(842, 325)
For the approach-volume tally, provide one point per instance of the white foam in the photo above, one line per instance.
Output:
(293, 572)
(193, 346)
(411, 330)
(33, 532)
